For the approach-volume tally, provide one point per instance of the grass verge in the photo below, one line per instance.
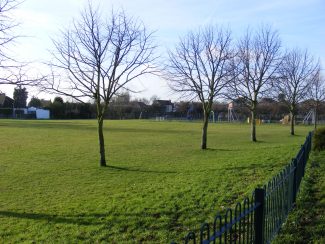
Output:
(306, 223)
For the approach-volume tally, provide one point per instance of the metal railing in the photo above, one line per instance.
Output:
(258, 218)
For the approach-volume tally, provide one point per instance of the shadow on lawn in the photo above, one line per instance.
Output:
(99, 219)
(71, 125)
(80, 220)
(220, 150)
(139, 170)
(254, 166)
(51, 125)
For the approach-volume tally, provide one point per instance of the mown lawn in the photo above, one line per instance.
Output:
(158, 185)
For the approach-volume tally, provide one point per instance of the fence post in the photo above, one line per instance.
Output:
(259, 216)
(310, 136)
(303, 147)
(294, 190)
(310, 139)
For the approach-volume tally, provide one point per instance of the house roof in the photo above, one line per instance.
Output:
(5, 101)
(163, 102)
(140, 104)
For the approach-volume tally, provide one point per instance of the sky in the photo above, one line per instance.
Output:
(300, 24)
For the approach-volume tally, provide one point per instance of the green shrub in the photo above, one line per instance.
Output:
(319, 139)
(5, 111)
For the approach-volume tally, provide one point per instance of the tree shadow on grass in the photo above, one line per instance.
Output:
(253, 166)
(220, 150)
(51, 125)
(118, 168)
(94, 219)
(80, 220)
(258, 141)
(91, 126)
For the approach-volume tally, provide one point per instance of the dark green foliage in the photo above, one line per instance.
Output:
(58, 99)
(87, 111)
(79, 110)
(319, 139)
(5, 112)
(57, 109)
(20, 97)
(35, 102)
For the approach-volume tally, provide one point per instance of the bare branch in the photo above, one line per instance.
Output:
(255, 65)
(296, 76)
(12, 71)
(98, 57)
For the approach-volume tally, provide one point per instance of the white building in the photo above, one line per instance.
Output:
(39, 112)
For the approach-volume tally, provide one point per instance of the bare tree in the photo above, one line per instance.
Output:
(199, 68)
(13, 72)
(98, 57)
(7, 24)
(317, 93)
(7, 38)
(295, 80)
(254, 67)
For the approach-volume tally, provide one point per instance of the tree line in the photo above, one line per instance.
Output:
(124, 106)
(207, 65)
(97, 57)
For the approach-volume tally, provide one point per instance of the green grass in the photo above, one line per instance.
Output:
(306, 224)
(158, 185)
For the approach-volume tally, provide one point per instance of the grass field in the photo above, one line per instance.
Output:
(158, 185)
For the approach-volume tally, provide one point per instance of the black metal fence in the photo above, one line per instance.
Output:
(259, 217)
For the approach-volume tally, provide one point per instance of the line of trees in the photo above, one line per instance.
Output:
(99, 55)
(126, 107)
(206, 64)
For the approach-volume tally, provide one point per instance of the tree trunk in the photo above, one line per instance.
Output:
(253, 125)
(292, 129)
(205, 130)
(102, 161)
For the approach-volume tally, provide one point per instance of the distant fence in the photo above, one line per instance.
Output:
(259, 217)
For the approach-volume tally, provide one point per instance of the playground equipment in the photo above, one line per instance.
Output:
(213, 117)
(310, 115)
(285, 120)
(160, 118)
(231, 113)
(189, 114)
(257, 121)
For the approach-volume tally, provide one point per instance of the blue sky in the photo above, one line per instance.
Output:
(300, 24)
